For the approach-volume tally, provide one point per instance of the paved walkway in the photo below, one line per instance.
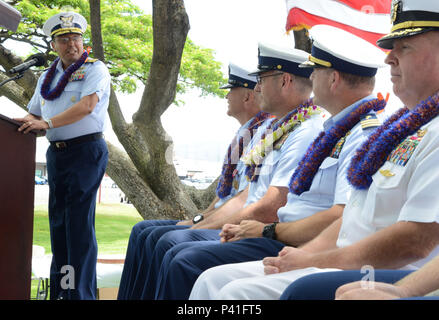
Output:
(106, 194)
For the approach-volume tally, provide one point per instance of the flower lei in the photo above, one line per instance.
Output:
(292, 120)
(224, 186)
(48, 94)
(374, 152)
(323, 145)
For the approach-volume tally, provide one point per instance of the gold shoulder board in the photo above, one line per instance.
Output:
(91, 60)
(369, 121)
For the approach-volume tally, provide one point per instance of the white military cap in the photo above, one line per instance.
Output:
(239, 77)
(65, 22)
(409, 18)
(271, 57)
(338, 49)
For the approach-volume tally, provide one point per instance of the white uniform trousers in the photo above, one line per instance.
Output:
(245, 281)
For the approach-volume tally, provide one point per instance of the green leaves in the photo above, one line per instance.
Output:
(200, 70)
(128, 44)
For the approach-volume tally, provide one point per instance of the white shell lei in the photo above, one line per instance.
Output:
(265, 146)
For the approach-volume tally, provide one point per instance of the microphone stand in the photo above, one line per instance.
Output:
(16, 77)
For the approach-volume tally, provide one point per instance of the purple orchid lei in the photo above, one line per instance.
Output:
(48, 94)
(374, 152)
(323, 145)
(224, 186)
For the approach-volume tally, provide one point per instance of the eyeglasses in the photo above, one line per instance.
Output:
(259, 78)
(65, 40)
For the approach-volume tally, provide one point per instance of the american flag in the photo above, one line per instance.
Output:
(367, 19)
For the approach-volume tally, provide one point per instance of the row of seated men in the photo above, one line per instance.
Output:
(314, 189)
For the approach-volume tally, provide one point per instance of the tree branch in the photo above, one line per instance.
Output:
(170, 28)
(27, 84)
(13, 92)
(127, 134)
(302, 40)
(25, 38)
(123, 172)
(96, 33)
(202, 198)
(116, 116)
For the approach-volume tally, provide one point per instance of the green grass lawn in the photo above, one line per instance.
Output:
(113, 227)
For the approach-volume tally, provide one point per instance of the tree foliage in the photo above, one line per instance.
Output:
(127, 41)
(137, 48)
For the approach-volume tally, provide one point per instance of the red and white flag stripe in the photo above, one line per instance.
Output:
(367, 19)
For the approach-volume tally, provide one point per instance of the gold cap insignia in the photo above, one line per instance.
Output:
(396, 8)
(66, 21)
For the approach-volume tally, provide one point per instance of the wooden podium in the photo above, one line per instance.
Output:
(17, 185)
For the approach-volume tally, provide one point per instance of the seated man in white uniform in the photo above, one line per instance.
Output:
(411, 184)
(391, 219)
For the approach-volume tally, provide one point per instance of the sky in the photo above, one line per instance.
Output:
(200, 129)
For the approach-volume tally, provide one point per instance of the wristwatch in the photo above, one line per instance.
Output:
(49, 123)
(270, 231)
(197, 218)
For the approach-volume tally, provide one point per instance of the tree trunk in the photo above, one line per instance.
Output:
(302, 40)
(145, 172)
(19, 91)
(96, 33)
(148, 176)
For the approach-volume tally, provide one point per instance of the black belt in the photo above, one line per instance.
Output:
(59, 145)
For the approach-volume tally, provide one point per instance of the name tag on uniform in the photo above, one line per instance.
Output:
(403, 152)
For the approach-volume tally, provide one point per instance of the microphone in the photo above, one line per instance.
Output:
(35, 60)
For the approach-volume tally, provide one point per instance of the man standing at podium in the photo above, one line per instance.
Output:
(70, 102)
